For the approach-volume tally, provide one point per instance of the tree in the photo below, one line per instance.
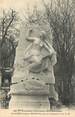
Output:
(8, 43)
(8, 35)
(61, 18)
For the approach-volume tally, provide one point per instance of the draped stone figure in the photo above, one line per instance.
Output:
(41, 58)
(36, 85)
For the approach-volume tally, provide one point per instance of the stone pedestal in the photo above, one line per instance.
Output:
(30, 95)
(30, 103)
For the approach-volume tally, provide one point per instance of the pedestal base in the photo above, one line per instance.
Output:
(30, 103)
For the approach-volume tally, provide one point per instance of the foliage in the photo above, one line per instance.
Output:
(8, 34)
(62, 21)
(8, 24)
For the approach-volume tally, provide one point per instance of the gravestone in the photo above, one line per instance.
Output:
(29, 94)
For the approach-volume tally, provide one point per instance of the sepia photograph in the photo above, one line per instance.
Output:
(37, 55)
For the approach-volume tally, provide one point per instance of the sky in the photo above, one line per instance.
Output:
(18, 4)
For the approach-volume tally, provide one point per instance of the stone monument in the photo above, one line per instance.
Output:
(32, 75)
